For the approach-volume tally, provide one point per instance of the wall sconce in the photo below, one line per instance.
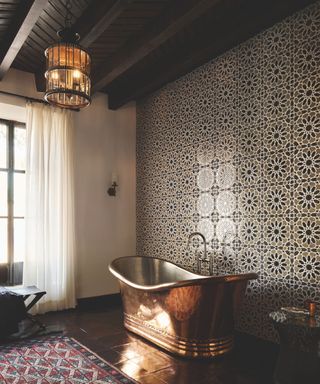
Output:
(114, 184)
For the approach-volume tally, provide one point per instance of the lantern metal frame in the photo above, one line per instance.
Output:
(68, 43)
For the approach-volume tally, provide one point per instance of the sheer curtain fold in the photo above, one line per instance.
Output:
(50, 238)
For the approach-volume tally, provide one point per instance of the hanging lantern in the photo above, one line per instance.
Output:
(68, 83)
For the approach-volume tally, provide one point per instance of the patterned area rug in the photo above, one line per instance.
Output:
(55, 359)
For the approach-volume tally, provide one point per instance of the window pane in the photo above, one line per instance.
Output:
(19, 239)
(19, 194)
(3, 240)
(19, 148)
(3, 194)
(3, 146)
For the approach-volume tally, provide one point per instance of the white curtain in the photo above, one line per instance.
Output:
(50, 238)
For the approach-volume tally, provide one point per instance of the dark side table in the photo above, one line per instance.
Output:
(299, 354)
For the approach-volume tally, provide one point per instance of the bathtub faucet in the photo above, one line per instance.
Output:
(205, 255)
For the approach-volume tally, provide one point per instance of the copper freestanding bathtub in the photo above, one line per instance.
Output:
(183, 312)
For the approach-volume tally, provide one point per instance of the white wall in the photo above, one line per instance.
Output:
(104, 143)
(105, 225)
(21, 83)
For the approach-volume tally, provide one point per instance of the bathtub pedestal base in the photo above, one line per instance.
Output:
(176, 344)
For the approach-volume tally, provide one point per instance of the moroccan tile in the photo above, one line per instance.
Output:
(232, 150)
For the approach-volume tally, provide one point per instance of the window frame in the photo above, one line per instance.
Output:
(11, 171)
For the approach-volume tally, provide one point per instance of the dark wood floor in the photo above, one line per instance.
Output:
(102, 331)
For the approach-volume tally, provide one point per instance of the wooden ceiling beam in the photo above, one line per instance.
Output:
(90, 26)
(25, 19)
(177, 16)
(94, 23)
(221, 34)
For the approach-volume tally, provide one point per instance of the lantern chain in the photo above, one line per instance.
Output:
(68, 18)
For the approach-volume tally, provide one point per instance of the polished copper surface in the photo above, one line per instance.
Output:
(312, 308)
(185, 313)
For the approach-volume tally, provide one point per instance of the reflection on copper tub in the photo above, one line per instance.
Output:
(182, 312)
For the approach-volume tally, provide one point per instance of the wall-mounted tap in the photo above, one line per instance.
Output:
(205, 255)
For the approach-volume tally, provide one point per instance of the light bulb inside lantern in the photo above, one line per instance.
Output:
(76, 74)
(54, 75)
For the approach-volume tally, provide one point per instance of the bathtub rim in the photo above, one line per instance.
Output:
(198, 280)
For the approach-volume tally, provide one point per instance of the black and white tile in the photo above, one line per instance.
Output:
(232, 150)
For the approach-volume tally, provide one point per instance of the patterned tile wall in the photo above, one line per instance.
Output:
(232, 150)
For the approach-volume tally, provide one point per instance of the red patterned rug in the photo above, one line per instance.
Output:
(55, 359)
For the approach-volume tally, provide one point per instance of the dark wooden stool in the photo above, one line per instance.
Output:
(27, 292)
(299, 359)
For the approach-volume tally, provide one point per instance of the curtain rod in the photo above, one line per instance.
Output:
(31, 99)
(24, 97)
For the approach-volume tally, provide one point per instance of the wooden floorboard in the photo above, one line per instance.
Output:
(101, 330)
